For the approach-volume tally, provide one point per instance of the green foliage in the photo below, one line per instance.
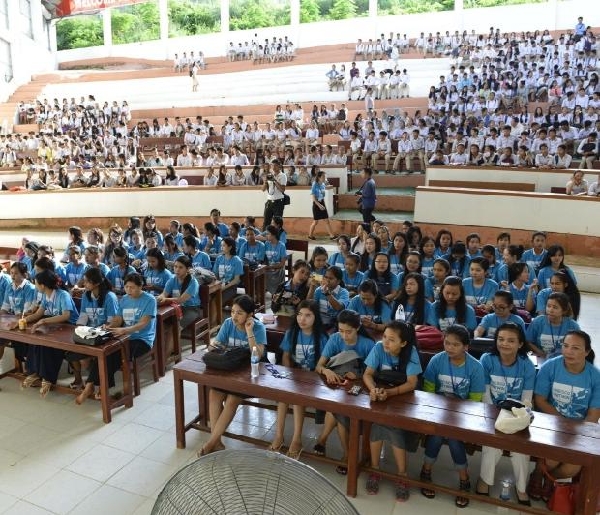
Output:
(79, 32)
(390, 7)
(470, 4)
(135, 23)
(254, 14)
(188, 18)
(309, 11)
(343, 9)
(320, 10)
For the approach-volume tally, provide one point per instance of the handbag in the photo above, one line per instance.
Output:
(286, 199)
(85, 335)
(563, 498)
(227, 358)
(514, 416)
(391, 377)
(430, 338)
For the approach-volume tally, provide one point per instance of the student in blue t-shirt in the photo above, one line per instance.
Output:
(567, 385)
(452, 307)
(99, 305)
(275, 259)
(523, 293)
(479, 290)
(56, 307)
(339, 258)
(228, 267)
(388, 284)
(331, 296)
(503, 312)
(509, 374)
(156, 274)
(453, 373)
(75, 267)
(351, 336)
(395, 356)
(351, 276)
(319, 209)
(199, 259)
(120, 270)
(411, 301)
(240, 330)
(554, 261)
(536, 254)
(559, 282)
(252, 249)
(301, 346)
(374, 310)
(546, 332)
(183, 289)
(398, 251)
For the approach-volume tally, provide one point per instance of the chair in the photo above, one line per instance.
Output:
(140, 363)
(199, 329)
(250, 482)
(295, 246)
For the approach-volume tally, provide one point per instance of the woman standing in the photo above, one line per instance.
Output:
(367, 196)
(319, 209)
(275, 258)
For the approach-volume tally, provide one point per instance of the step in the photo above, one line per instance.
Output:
(388, 200)
(384, 180)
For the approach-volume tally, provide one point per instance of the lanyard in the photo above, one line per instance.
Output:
(304, 345)
(558, 336)
(461, 382)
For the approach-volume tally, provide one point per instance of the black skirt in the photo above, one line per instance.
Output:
(319, 214)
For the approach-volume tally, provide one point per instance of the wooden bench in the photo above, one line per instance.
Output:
(549, 436)
(60, 336)
(507, 186)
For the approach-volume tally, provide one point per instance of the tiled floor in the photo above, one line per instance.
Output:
(56, 457)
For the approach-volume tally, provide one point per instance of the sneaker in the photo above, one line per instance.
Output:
(402, 491)
(373, 483)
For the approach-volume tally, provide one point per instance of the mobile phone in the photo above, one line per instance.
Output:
(355, 390)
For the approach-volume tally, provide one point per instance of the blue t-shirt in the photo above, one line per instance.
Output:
(541, 299)
(382, 317)
(230, 336)
(94, 315)
(75, 272)
(223, 229)
(352, 283)
(57, 303)
(546, 273)
(442, 377)
(5, 284)
(479, 295)
(520, 294)
(379, 360)
(442, 324)
(384, 287)
(213, 249)
(133, 309)
(305, 354)
(427, 266)
(318, 190)
(328, 314)
(19, 300)
(532, 259)
(492, 321)
(336, 259)
(201, 260)
(274, 253)
(548, 337)
(507, 382)
(502, 274)
(409, 313)
(432, 289)
(173, 290)
(336, 344)
(157, 279)
(177, 238)
(570, 394)
(395, 266)
(172, 256)
(137, 253)
(227, 268)
(254, 253)
(117, 275)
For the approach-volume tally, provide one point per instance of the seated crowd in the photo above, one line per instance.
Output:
(377, 287)
(277, 49)
(187, 63)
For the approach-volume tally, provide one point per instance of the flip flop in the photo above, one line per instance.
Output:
(342, 469)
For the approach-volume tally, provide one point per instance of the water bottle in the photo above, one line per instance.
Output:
(400, 316)
(505, 493)
(254, 360)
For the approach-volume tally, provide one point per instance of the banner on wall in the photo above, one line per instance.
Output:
(71, 7)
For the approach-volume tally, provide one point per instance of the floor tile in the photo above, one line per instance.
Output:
(108, 499)
(101, 462)
(7, 501)
(25, 508)
(133, 438)
(63, 492)
(25, 476)
(159, 417)
(165, 450)
(142, 476)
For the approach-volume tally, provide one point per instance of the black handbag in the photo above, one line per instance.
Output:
(286, 199)
(227, 358)
(91, 337)
(391, 377)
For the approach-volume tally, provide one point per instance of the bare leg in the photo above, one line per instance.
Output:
(375, 453)
(343, 434)
(278, 440)
(328, 427)
(400, 457)
(296, 444)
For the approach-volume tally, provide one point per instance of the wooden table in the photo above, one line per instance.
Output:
(165, 314)
(549, 436)
(60, 336)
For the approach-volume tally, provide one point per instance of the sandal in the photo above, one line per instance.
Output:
(535, 486)
(465, 486)
(275, 448)
(46, 387)
(342, 469)
(295, 455)
(319, 449)
(402, 490)
(547, 489)
(426, 478)
(76, 386)
(373, 483)
(31, 381)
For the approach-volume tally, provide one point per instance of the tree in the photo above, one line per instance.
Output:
(189, 19)
(252, 14)
(79, 32)
(309, 11)
(343, 9)
(134, 23)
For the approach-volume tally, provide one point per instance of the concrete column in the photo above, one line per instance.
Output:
(459, 10)
(224, 18)
(372, 9)
(163, 13)
(107, 28)
(294, 14)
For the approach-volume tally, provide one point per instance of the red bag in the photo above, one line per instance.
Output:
(563, 498)
(430, 338)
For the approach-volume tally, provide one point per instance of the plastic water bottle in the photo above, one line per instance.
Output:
(400, 316)
(505, 493)
(254, 360)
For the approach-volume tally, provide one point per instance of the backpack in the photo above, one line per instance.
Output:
(430, 338)
(204, 276)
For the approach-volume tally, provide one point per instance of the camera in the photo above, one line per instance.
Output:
(270, 177)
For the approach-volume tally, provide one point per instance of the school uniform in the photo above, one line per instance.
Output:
(483, 294)
(157, 279)
(306, 349)
(442, 324)
(385, 287)
(383, 316)
(226, 268)
(335, 344)
(546, 273)
(328, 314)
(190, 307)
(230, 336)
(491, 322)
(352, 283)
(75, 272)
(253, 253)
(274, 253)
(532, 259)
(116, 277)
(201, 260)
